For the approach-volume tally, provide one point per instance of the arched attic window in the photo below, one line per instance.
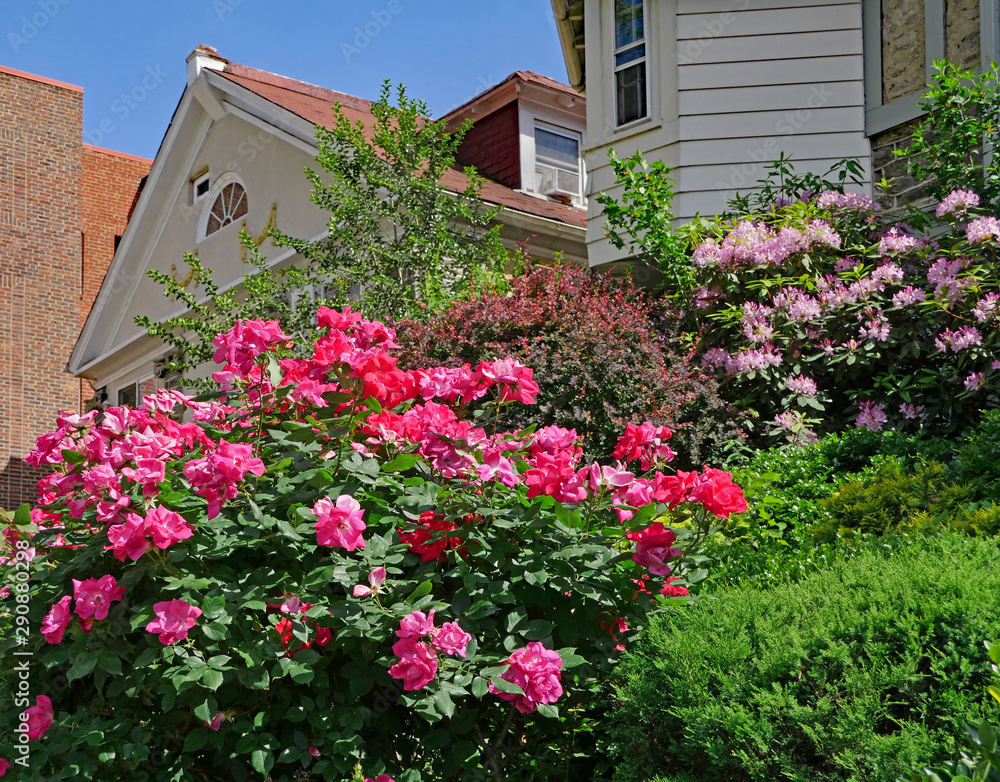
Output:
(226, 204)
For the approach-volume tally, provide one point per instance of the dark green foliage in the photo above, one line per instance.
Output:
(977, 459)
(947, 146)
(596, 356)
(858, 673)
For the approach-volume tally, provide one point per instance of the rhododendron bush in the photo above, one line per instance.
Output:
(821, 314)
(326, 564)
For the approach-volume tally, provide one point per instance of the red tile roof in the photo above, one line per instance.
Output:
(315, 104)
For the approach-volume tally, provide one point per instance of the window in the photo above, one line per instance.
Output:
(557, 162)
(200, 186)
(630, 62)
(230, 204)
(132, 394)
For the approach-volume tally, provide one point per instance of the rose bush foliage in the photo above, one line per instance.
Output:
(820, 314)
(324, 564)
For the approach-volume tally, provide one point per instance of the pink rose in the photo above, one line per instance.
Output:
(451, 639)
(339, 525)
(57, 620)
(216, 722)
(4, 765)
(536, 670)
(375, 580)
(128, 539)
(167, 527)
(380, 778)
(417, 624)
(173, 620)
(653, 548)
(95, 596)
(716, 491)
(417, 663)
(39, 717)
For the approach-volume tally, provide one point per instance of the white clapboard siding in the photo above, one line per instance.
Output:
(775, 97)
(761, 78)
(832, 16)
(805, 70)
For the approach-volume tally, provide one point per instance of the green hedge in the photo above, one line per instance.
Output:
(859, 672)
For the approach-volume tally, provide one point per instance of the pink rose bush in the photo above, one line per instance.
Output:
(330, 553)
(845, 325)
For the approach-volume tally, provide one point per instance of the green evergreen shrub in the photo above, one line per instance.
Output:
(857, 673)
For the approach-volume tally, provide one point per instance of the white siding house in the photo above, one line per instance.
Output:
(718, 88)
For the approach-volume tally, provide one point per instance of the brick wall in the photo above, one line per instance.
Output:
(109, 191)
(492, 145)
(40, 266)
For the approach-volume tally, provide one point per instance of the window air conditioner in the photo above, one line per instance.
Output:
(558, 183)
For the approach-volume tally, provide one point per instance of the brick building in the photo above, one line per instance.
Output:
(62, 204)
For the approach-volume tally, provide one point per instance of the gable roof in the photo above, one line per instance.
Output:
(315, 104)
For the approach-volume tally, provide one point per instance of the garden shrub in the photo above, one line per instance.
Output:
(977, 458)
(599, 360)
(859, 672)
(325, 565)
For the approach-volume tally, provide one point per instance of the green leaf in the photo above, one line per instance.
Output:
(445, 705)
(81, 667)
(212, 679)
(73, 457)
(401, 463)
(420, 591)
(262, 760)
(548, 710)
(111, 663)
(537, 629)
(505, 686)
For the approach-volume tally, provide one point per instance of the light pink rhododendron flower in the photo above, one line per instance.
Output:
(417, 624)
(39, 717)
(452, 639)
(871, 416)
(536, 670)
(173, 620)
(375, 580)
(167, 527)
(417, 663)
(57, 620)
(95, 596)
(339, 525)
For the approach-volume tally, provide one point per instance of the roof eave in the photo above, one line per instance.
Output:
(572, 45)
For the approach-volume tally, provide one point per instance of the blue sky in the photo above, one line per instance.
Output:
(444, 51)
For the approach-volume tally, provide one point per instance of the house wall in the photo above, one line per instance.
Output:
(40, 267)
(737, 83)
(491, 145)
(271, 171)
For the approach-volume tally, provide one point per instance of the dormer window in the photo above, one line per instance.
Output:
(557, 162)
(226, 203)
(630, 62)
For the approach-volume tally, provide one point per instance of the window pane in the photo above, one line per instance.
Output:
(127, 396)
(635, 53)
(630, 92)
(558, 149)
(628, 22)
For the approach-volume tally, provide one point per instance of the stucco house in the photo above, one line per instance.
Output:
(717, 88)
(233, 157)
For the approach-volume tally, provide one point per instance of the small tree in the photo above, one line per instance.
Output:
(400, 243)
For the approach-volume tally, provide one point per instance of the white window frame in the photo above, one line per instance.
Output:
(135, 385)
(565, 133)
(195, 198)
(645, 60)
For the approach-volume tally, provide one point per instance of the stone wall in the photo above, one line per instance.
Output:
(903, 73)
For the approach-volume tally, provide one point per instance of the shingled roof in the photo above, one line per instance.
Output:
(315, 104)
